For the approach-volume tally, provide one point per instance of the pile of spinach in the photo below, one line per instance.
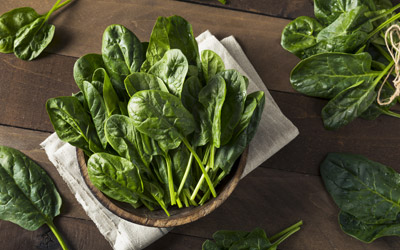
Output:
(25, 32)
(162, 124)
(28, 196)
(256, 239)
(367, 192)
(343, 57)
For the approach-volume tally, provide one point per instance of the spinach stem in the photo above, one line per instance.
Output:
(62, 5)
(386, 13)
(390, 113)
(57, 234)
(382, 74)
(50, 12)
(210, 165)
(179, 203)
(393, 18)
(170, 178)
(185, 176)
(276, 236)
(279, 241)
(201, 166)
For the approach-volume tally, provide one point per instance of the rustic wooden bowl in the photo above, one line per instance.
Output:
(178, 216)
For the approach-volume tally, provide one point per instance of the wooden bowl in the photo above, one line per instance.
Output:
(178, 216)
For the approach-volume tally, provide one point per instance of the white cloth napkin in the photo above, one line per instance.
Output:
(274, 132)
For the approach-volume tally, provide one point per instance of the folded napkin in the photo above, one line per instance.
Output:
(274, 132)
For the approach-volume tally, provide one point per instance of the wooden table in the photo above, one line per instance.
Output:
(283, 190)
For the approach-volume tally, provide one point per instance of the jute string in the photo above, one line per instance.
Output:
(392, 34)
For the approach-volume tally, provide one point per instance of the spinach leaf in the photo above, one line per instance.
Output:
(172, 69)
(234, 103)
(161, 116)
(367, 232)
(71, 122)
(348, 105)
(85, 67)
(28, 196)
(327, 11)
(11, 22)
(122, 136)
(365, 189)
(326, 75)
(212, 97)
(143, 81)
(116, 177)
(97, 109)
(211, 64)
(171, 33)
(189, 97)
(110, 96)
(122, 54)
(300, 34)
(32, 39)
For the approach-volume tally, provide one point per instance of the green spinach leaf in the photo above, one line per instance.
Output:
(11, 22)
(326, 75)
(365, 189)
(172, 69)
(85, 67)
(211, 64)
(28, 196)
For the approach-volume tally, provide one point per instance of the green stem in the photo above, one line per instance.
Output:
(215, 183)
(206, 154)
(62, 5)
(378, 65)
(201, 166)
(170, 178)
(393, 18)
(51, 11)
(57, 234)
(385, 13)
(383, 52)
(210, 165)
(276, 236)
(186, 174)
(276, 243)
(390, 113)
(383, 73)
(186, 192)
(178, 202)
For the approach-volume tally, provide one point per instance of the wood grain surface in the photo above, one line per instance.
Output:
(283, 190)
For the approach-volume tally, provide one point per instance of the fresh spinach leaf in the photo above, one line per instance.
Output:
(28, 196)
(172, 69)
(171, 33)
(212, 97)
(115, 176)
(348, 105)
(11, 22)
(365, 189)
(211, 64)
(143, 81)
(367, 232)
(122, 55)
(161, 116)
(300, 34)
(326, 75)
(85, 67)
(234, 103)
(97, 109)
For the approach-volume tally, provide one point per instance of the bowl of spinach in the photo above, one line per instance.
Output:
(161, 129)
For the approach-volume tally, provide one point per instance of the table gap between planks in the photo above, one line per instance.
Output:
(285, 189)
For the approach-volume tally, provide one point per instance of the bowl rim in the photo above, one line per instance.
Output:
(186, 215)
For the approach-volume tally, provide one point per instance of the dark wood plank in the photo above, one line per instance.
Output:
(177, 241)
(277, 8)
(77, 234)
(275, 199)
(376, 139)
(26, 86)
(27, 141)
